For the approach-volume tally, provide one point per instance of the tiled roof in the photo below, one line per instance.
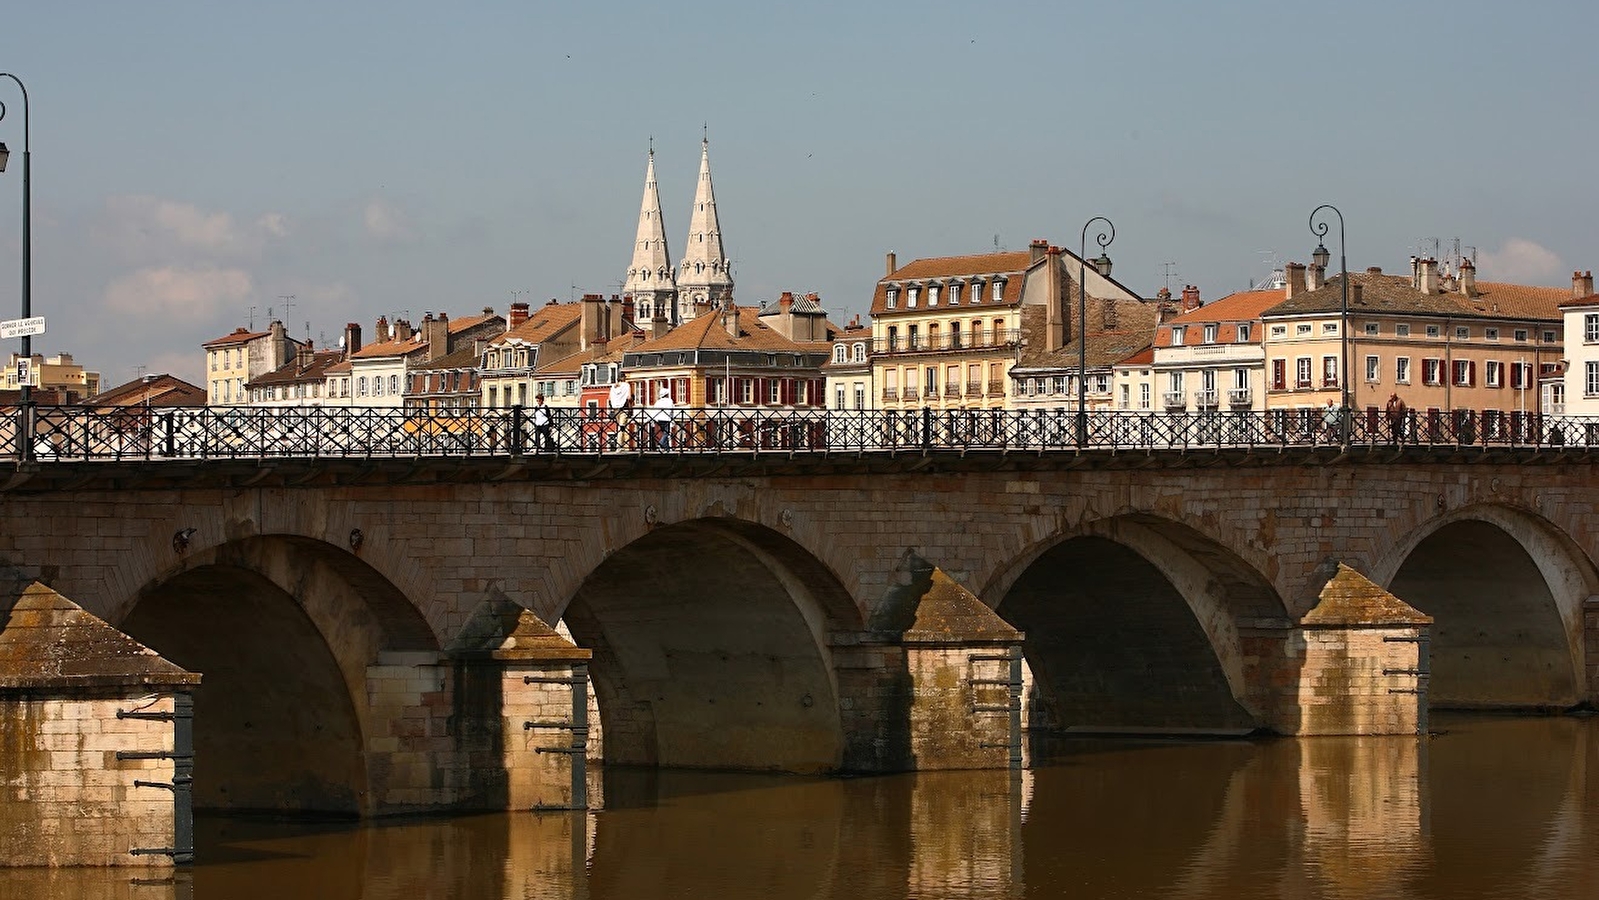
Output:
(462, 358)
(807, 304)
(1590, 300)
(294, 373)
(1244, 306)
(153, 390)
(707, 333)
(459, 325)
(1133, 333)
(1393, 294)
(410, 345)
(544, 323)
(239, 336)
(1143, 357)
(342, 368)
(982, 266)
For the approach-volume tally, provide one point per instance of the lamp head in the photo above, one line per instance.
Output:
(1321, 257)
(1102, 265)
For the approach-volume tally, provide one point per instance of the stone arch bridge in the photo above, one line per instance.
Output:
(807, 614)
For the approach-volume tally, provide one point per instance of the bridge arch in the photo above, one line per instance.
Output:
(711, 649)
(282, 629)
(1506, 589)
(1137, 621)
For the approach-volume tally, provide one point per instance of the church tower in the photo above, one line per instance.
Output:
(704, 280)
(649, 277)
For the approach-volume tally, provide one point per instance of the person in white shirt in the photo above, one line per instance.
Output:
(542, 439)
(661, 420)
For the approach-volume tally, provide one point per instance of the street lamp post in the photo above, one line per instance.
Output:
(24, 445)
(1321, 257)
(1101, 265)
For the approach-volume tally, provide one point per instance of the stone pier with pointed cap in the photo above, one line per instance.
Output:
(87, 740)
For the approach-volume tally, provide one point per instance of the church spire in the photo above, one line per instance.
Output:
(705, 280)
(649, 276)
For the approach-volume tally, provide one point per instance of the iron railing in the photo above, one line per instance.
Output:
(64, 433)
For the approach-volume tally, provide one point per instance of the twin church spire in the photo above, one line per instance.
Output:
(704, 280)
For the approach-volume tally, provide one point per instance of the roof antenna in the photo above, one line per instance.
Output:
(996, 243)
(252, 318)
(1168, 269)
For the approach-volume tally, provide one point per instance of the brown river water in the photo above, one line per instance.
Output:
(1487, 807)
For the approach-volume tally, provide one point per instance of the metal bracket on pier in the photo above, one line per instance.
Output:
(1013, 684)
(578, 749)
(182, 783)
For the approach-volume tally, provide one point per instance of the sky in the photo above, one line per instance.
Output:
(192, 161)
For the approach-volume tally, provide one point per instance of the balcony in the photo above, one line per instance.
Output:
(996, 389)
(1329, 382)
(910, 393)
(1175, 399)
(890, 393)
(1207, 399)
(1240, 396)
(977, 340)
(974, 389)
(953, 389)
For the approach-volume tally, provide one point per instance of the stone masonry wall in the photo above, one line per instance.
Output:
(65, 798)
(411, 752)
(1349, 681)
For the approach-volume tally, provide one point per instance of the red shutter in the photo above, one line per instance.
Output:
(1471, 373)
(760, 392)
(788, 392)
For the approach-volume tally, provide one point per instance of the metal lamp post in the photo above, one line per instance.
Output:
(1321, 257)
(25, 446)
(1101, 265)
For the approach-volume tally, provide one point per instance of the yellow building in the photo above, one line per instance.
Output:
(947, 331)
(71, 382)
(234, 360)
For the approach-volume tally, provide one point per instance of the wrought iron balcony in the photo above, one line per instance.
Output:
(1240, 396)
(975, 340)
(1175, 399)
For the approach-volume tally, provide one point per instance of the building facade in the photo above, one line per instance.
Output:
(66, 379)
(236, 359)
(1209, 357)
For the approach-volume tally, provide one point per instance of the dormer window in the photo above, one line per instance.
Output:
(932, 295)
(838, 354)
(911, 298)
(999, 289)
(1178, 333)
(1210, 334)
(860, 352)
(892, 295)
(955, 294)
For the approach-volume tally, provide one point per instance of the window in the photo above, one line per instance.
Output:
(860, 353)
(1329, 328)
(1177, 333)
(860, 395)
(1521, 375)
(1243, 333)
(913, 336)
(394, 384)
(746, 390)
(930, 382)
(932, 336)
(1143, 395)
(1402, 370)
(1329, 371)
(1373, 369)
(1491, 334)
(214, 356)
(839, 354)
(1127, 396)
(1462, 333)
(1432, 371)
(1433, 331)
(911, 298)
(1590, 379)
(1520, 334)
(1492, 375)
(1240, 379)
(1099, 384)
(1174, 382)
(893, 337)
(1372, 328)
(999, 289)
(1303, 328)
(1465, 373)
(494, 395)
(1549, 337)
(774, 391)
(955, 335)
(1060, 384)
(1302, 372)
(1401, 330)
(954, 295)
(1279, 374)
(360, 386)
(932, 295)
(1210, 334)
(1278, 331)
(891, 298)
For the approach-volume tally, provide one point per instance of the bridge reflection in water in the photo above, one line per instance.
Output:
(1491, 807)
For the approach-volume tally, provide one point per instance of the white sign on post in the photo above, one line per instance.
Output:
(15, 328)
(24, 371)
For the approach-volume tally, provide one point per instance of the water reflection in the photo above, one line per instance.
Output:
(1493, 807)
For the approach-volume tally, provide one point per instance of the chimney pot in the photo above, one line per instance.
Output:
(1374, 270)
(1581, 284)
(517, 316)
(892, 265)
(1295, 273)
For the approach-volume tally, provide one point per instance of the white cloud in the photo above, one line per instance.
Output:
(145, 228)
(387, 222)
(171, 290)
(1519, 260)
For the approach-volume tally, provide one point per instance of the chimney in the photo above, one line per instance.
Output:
(893, 264)
(591, 321)
(1191, 299)
(382, 335)
(1582, 284)
(785, 302)
(1163, 294)
(1427, 275)
(1468, 278)
(659, 326)
(1357, 294)
(352, 338)
(627, 311)
(1315, 277)
(730, 318)
(436, 331)
(1295, 273)
(1037, 250)
(403, 330)
(1058, 323)
(1415, 272)
(517, 315)
(303, 355)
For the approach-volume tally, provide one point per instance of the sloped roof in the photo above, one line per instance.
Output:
(543, 323)
(239, 336)
(1350, 598)
(462, 358)
(294, 373)
(706, 333)
(1134, 331)
(406, 347)
(1243, 306)
(1394, 295)
(152, 390)
(981, 266)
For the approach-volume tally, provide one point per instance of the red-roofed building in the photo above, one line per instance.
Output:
(1207, 357)
(234, 360)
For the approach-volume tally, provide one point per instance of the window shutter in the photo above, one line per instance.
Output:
(1471, 373)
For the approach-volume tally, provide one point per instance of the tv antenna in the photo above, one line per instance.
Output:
(1167, 270)
(288, 306)
(252, 318)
